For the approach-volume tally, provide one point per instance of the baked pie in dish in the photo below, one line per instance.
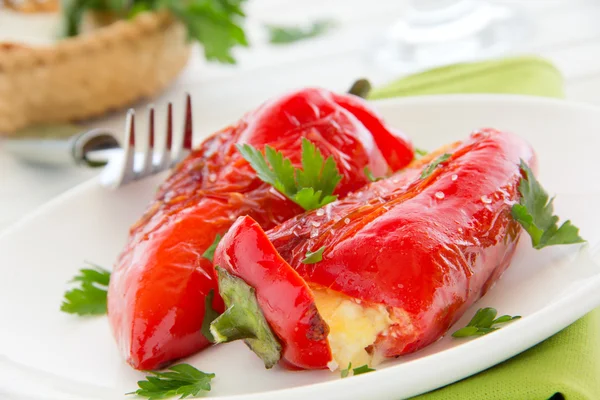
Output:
(44, 79)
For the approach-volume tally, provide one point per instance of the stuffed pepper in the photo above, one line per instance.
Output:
(163, 287)
(383, 272)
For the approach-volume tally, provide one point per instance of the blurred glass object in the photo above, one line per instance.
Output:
(439, 32)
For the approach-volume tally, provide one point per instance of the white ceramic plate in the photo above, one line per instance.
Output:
(45, 354)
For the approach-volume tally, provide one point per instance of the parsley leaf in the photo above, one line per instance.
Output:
(434, 164)
(74, 11)
(279, 34)
(483, 323)
(209, 316)
(363, 369)
(90, 297)
(210, 252)
(535, 214)
(314, 174)
(344, 373)
(213, 23)
(183, 381)
(370, 176)
(421, 152)
(313, 257)
(310, 187)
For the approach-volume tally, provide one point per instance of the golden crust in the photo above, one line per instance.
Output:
(33, 6)
(90, 74)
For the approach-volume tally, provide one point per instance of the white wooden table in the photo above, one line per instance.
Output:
(565, 31)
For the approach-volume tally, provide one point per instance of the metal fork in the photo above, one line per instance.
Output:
(129, 165)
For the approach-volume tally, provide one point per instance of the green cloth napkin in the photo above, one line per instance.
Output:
(567, 365)
(520, 75)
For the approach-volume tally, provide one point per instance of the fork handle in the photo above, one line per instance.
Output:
(59, 151)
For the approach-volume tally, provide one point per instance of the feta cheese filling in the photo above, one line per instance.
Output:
(353, 326)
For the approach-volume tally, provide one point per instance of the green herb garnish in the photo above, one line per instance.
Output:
(279, 34)
(313, 257)
(213, 23)
(210, 252)
(483, 323)
(370, 176)
(535, 214)
(183, 380)
(344, 373)
(434, 164)
(421, 152)
(363, 369)
(310, 187)
(90, 297)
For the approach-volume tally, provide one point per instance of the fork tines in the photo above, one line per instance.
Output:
(151, 159)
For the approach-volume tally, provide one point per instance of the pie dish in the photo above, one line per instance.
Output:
(85, 76)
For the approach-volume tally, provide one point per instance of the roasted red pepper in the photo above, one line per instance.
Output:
(158, 286)
(246, 246)
(403, 259)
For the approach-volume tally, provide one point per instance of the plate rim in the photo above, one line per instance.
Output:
(579, 302)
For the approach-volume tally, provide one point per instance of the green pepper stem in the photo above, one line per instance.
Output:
(232, 325)
(360, 88)
(244, 319)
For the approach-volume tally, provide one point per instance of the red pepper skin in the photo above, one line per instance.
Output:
(392, 143)
(425, 248)
(157, 289)
(246, 252)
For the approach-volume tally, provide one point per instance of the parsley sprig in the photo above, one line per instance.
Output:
(183, 380)
(483, 323)
(535, 214)
(280, 34)
(370, 176)
(310, 187)
(214, 23)
(434, 164)
(90, 297)
(210, 252)
(363, 369)
(312, 257)
(420, 152)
